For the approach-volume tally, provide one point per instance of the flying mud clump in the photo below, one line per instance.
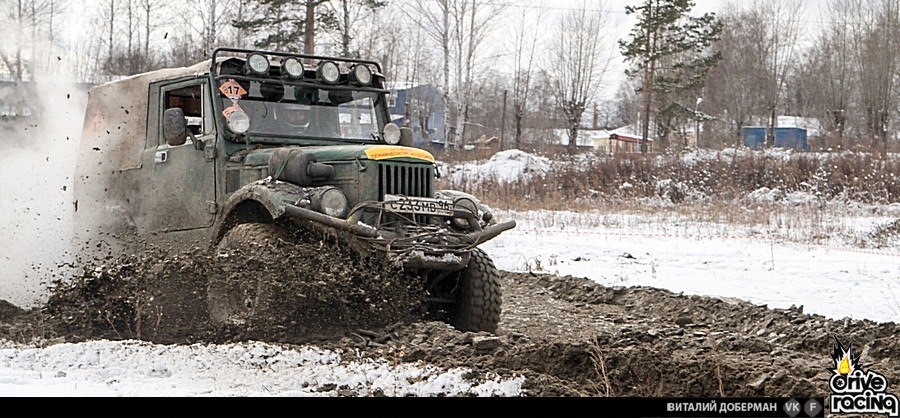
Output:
(159, 297)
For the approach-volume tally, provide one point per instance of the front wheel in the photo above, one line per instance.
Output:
(234, 299)
(478, 300)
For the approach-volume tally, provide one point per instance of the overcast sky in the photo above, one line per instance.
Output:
(545, 12)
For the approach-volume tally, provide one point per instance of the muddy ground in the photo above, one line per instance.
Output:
(568, 336)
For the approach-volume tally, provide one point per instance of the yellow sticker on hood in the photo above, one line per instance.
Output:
(385, 152)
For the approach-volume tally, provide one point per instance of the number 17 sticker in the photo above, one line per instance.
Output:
(232, 90)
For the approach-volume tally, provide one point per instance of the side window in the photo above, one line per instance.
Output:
(190, 100)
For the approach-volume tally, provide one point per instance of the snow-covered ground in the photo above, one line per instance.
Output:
(133, 368)
(708, 259)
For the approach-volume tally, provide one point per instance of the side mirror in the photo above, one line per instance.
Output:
(174, 126)
(406, 137)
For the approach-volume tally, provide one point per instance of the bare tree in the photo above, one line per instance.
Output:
(524, 46)
(110, 18)
(744, 81)
(434, 18)
(149, 8)
(780, 41)
(579, 64)
(348, 16)
(213, 15)
(472, 20)
(391, 48)
(876, 43)
(828, 71)
(17, 20)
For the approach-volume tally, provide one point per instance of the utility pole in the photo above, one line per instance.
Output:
(503, 124)
(309, 32)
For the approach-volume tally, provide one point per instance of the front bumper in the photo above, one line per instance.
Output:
(416, 242)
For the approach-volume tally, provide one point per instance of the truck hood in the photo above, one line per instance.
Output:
(348, 152)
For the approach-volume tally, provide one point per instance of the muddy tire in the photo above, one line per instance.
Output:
(231, 299)
(251, 234)
(478, 303)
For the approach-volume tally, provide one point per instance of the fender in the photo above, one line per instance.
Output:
(272, 196)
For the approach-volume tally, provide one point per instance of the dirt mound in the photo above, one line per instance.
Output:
(573, 337)
(567, 336)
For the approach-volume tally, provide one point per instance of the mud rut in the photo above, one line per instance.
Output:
(568, 336)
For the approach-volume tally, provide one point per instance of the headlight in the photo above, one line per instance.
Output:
(258, 64)
(463, 223)
(239, 122)
(392, 134)
(292, 68)
(330, 201)
(328, 72)
(360, 74)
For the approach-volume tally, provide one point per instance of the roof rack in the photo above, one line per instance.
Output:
(306, 57)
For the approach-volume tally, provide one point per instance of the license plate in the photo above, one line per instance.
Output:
(418, 205)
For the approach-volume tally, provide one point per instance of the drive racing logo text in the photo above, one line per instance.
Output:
(858, 391)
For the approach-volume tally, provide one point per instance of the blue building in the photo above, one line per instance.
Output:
(794, 138)
(754, 136)
(421, 108)
(787, 137)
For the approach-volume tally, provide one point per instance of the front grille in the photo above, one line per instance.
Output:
(404, 179)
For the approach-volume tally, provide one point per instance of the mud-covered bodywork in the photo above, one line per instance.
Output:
(131, 179)
(180, 157)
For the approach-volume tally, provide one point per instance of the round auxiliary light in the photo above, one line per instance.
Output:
(292, 67)
(258, 64)
(361, 74)
(328, 72)
(331, 202)
(239, 122)
(392, 134)
(467, 203)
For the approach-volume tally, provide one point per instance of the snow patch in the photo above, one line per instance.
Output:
(136, 368)
(505, 167)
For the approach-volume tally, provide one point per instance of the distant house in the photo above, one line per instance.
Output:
(621, 140)
(584, 140)
(421, 108)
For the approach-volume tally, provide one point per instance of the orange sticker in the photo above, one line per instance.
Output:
(386, 152)
(233, 90)
(227, 112)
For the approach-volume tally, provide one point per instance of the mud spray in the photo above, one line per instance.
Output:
(37, 164)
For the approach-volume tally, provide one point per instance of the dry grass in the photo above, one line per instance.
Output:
(624, 180)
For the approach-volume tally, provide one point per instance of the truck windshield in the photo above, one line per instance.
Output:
(282, 110)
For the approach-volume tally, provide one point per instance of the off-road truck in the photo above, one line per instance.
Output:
(233, 150)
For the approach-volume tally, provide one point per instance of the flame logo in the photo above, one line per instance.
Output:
(844, 360)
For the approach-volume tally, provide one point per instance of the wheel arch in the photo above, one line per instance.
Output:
(255, 202)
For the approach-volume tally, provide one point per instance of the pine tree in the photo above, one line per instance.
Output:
(670, 53)
(281, 24)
